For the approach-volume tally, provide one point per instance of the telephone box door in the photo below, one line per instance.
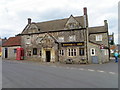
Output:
(20, 54)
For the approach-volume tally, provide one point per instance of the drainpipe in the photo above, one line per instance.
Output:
(87, 32)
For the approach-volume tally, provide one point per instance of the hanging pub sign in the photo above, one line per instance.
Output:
(68, 44)
(103, 47)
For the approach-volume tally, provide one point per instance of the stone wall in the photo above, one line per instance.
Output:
(102, 54)
(11, 53)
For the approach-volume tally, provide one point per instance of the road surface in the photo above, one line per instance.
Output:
(32, 75)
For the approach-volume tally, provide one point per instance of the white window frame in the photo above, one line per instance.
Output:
(72, 52)
(81, 51)
(99, 37)
(60, 39)
(92, 50)
(72, 38)
(61, 53)
(28, 40)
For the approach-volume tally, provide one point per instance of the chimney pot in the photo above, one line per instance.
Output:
(105, 21)
(29, 20)
(85, 10)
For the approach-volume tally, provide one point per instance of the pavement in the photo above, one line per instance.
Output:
(21, 74)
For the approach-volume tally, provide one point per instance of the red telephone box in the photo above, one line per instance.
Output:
(20, 54)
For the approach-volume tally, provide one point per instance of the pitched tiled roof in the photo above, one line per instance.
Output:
(13, 41)
(98, 29)
(55, 25)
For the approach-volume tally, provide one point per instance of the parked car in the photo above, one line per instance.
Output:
(69, 61)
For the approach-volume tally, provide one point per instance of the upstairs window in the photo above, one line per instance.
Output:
(28, 41)
(60, 39)
(98, 37)
(72, 38)
(34, 51)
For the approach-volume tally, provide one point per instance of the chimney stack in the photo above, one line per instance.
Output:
(85, 10)
(105, 21)
(106, 24)
(29, 20)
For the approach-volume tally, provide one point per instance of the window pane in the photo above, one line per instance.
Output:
(62, 52)
(74, 52)
(28, 53)
(34, 51)
(69, 52)
(15, 50)
(81, 52)
(92, 52)
(98, 37)
(40, 53)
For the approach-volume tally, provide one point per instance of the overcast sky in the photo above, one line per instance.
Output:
(14, 13)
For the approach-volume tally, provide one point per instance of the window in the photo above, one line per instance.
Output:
(98, 37)
(15, 50)
(60, 39)
(92, 51)
(61, 52)
(81, 51)
(40, 53)
(34, 51)
(38, 40)
(72, 52)
(28, 41)
(72, 38)
(28, 53)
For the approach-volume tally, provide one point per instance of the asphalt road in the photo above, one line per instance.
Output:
(31, 75)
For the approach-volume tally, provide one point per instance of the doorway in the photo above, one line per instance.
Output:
(48, 56)
(6, 53)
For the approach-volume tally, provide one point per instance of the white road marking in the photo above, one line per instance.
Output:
(85, 69)
(59, 67)
(53, 66)
(67, 68)
(91, 70)
(72, 68)
(80, 69)
(100, 71)
(112, 72)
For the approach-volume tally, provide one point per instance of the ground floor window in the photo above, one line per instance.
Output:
(61, 52)
(92, 51)
(72, 52)
(28, 53)
(34, 51)
(81, 52)
(40, 53)
(15, 50)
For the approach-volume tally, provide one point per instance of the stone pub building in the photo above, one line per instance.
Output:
(69, 38)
